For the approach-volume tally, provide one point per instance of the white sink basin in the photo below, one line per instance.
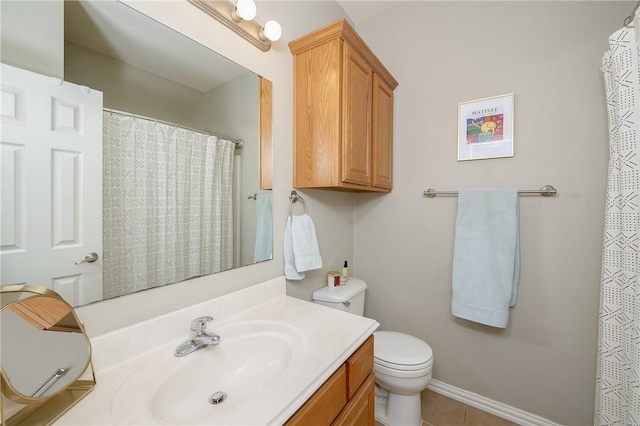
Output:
(248, 365)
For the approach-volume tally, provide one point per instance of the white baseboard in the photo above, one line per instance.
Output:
(496, 408)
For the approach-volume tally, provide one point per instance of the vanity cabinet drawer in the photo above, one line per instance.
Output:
(360, 409)
(325, 404)
(359, 366)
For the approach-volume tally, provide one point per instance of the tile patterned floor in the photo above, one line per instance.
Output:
(439, 410)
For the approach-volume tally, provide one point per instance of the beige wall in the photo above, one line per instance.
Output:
(548, 54)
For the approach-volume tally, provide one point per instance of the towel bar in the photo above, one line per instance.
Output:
(545, 191)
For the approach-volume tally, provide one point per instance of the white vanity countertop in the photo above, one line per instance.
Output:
(327, 338)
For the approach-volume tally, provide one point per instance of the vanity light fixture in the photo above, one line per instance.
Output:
(271, 31)
(244, 9)
(239, 18)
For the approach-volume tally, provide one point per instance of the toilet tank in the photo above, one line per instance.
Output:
(348, 298)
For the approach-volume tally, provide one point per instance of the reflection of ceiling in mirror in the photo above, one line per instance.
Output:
(116, 30)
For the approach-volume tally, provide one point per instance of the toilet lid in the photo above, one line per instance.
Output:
(401, 351)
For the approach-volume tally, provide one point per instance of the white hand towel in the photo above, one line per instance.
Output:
(486, 256)
(305, 244)
(290, 271)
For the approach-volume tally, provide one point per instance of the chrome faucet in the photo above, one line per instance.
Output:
(199, 337)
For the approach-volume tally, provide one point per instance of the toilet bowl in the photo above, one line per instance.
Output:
(402, 363)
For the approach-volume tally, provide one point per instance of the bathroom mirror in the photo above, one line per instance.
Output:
(151, 72)
(44, 355)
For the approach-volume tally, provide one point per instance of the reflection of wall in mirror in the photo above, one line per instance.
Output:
(132, 89)
(228, 109)
(30, 355)
(27, 36)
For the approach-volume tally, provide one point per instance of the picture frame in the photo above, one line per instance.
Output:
(485, 128)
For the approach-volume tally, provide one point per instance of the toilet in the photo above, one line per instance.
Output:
(402, 363)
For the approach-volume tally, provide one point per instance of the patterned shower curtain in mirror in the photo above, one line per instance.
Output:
(618, 359)
(167, 204)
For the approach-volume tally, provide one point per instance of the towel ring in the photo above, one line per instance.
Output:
(294, 197)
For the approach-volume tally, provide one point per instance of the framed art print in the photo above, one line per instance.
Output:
(485, 128)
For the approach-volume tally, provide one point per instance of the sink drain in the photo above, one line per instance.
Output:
(218, 398)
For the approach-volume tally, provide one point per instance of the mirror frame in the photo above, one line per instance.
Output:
(44, 410)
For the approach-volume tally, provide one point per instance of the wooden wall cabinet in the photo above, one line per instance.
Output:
(343, 112)
(347, 398)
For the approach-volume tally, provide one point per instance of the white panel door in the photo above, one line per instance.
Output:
(51, 140)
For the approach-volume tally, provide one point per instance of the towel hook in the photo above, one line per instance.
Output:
(293, 198)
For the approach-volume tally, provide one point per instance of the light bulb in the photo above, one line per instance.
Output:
(272, 30)
(246, 9)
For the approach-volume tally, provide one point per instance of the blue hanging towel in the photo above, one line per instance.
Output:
(486, 258)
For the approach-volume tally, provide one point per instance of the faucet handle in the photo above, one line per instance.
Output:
(200, 324)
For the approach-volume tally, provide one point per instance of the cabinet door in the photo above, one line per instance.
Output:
(360, 409)
(317, 115)
(356, 119)
(382, 145)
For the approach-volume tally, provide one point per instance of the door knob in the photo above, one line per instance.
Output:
(90, 258)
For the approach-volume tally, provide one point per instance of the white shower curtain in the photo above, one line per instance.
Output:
(167, 207)
(618, 359)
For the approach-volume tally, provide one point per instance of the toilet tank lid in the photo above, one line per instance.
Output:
(340, 294)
